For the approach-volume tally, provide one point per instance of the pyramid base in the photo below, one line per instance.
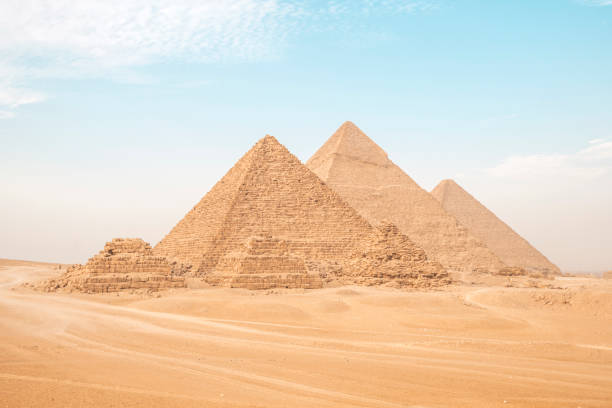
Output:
(266, 281)
(110, 282)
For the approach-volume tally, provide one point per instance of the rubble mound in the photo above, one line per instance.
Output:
(264, 263)
(271, 222)
(512, 271)
(363, 175)
(123, 264)
(392, 258)
(506, 243)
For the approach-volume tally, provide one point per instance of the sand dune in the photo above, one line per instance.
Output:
(465, 346)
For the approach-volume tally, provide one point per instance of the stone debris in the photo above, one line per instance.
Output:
(124, 264)
(264, 263)
(392, 258)
(270, 222)
(512, 271)
(508, 245)
(362, 174)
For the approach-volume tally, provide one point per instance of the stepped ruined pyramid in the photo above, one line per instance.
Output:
(360, 171)
(123, 264)
(272, 223)
(509, 246)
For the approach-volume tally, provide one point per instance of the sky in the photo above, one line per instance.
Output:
(116, 117)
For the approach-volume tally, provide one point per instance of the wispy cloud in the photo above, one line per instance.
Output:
(6, 114)
(89, 35)
(90, 38)
(590, 163)
(13, 97)
(597, 2)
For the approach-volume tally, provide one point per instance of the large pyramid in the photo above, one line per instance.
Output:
(271, 222)
(360, 171)
(509, 246)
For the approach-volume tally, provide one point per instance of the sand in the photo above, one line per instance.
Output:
(464, 346)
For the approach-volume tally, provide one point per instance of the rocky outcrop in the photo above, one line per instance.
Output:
(123, 265)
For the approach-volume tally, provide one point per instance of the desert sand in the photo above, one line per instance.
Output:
(476, 344)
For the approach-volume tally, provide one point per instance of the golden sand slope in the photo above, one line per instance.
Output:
(509, 246)
(345, 347)
(360, 171)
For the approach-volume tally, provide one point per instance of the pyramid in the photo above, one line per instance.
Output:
(509, 246)
(361, 172)
(123, 264)
(270, 222)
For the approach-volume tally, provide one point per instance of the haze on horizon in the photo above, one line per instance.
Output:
(117, 117)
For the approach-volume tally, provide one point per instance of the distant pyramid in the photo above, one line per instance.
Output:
(509, 246)
(271, 222)
(360, 171)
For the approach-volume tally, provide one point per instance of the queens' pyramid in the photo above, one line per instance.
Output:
(509, 246)
(360, 171)
(125, 264)
(271, 222)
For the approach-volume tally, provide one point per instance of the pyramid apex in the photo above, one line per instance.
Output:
(444, 188)
(348, 123)
(349, 141)
(448, 182)
(267, 142)
(268, 139)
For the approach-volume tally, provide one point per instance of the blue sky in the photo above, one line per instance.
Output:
(116, 117)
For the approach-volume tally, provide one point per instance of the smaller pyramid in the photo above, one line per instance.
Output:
(508, 245)
(385, 259)
(270, 222)
(264, 263)
(360, 171)
(123, 264)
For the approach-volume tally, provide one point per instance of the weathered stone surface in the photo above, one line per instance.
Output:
(512, 271)
(264, 263)
(123, 264)
(509, 246)
(360, 171)
(271, 222)
(607, 275)
(392, 258)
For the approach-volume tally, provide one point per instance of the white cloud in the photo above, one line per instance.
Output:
(14, 97)
(6, 114)
(90, 38)
(598, 2)
(591, 162)
(116, 33)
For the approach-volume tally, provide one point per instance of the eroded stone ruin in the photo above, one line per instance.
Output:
(264, 263)
(123, 264)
